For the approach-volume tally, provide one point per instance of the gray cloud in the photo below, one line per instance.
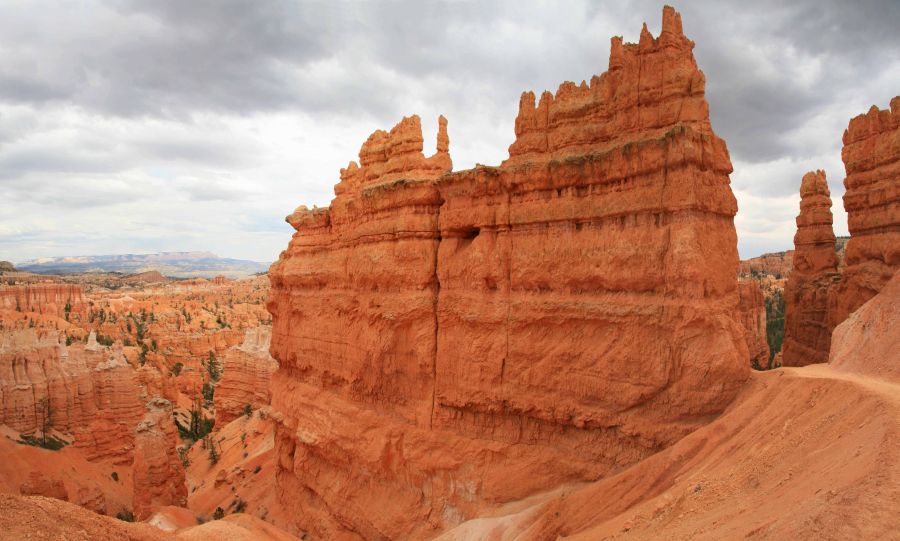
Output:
(224, 104)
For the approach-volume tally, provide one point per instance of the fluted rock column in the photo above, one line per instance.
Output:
(807, 333)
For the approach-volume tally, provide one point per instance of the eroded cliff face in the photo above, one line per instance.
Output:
(448, 342)
(871, 157)
(807, 332)
(55, 299)
(158, 473)
(752, 310)
(87, 391)
(246, 372)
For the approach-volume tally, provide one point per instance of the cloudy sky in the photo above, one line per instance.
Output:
(163, 125)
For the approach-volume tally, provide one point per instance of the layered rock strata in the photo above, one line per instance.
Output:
(871, 157)
(54, 299)
(752, 311)
(807, 332)
(451, 341)
(778, 265)
(246, 372)
(88, 391)
(158, 472)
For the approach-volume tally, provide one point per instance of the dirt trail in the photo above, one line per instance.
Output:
(803, 453)
(888, 390)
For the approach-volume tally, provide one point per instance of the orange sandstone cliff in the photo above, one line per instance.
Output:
(871, 157)
(807, 334)
(449, 342)
(158, 473)
(87, 391)
(752, 310)
(246, 372)
(44, 298)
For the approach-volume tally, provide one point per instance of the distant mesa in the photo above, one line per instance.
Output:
(149, 277)
(6, 266)
(148, 268)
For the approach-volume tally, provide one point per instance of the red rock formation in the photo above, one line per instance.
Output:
(868, 341)
(89, 392)
(454, 341)
(148, 277)
(54, 299)
(38, 485)
(247, 370)
(752, 311)
(158, 473)
(778, 265)
(871, 157)
(807, 333)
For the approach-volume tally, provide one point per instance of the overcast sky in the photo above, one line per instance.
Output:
(144, 126)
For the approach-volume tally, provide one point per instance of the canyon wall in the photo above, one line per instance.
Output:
(452, 341)
(87, 391)
(246, 372)
(871, 157)
(752, 313)
(52, 299)
(158, 473)
(778, 265)
(807, 333)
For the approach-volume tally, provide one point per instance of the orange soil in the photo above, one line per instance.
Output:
(39, 518)
(235, 477)
(803, 453)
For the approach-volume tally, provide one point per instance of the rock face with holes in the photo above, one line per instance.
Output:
(807, 332)
(246, 372)
(449, 342)
(871, 157)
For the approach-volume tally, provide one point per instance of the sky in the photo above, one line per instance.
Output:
(138, 126)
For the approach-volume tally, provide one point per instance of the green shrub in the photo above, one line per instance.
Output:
(208, 391)
(47, 442)
(212, 366)
(774, 324)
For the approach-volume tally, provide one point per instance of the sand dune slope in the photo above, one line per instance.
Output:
(804, 453)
